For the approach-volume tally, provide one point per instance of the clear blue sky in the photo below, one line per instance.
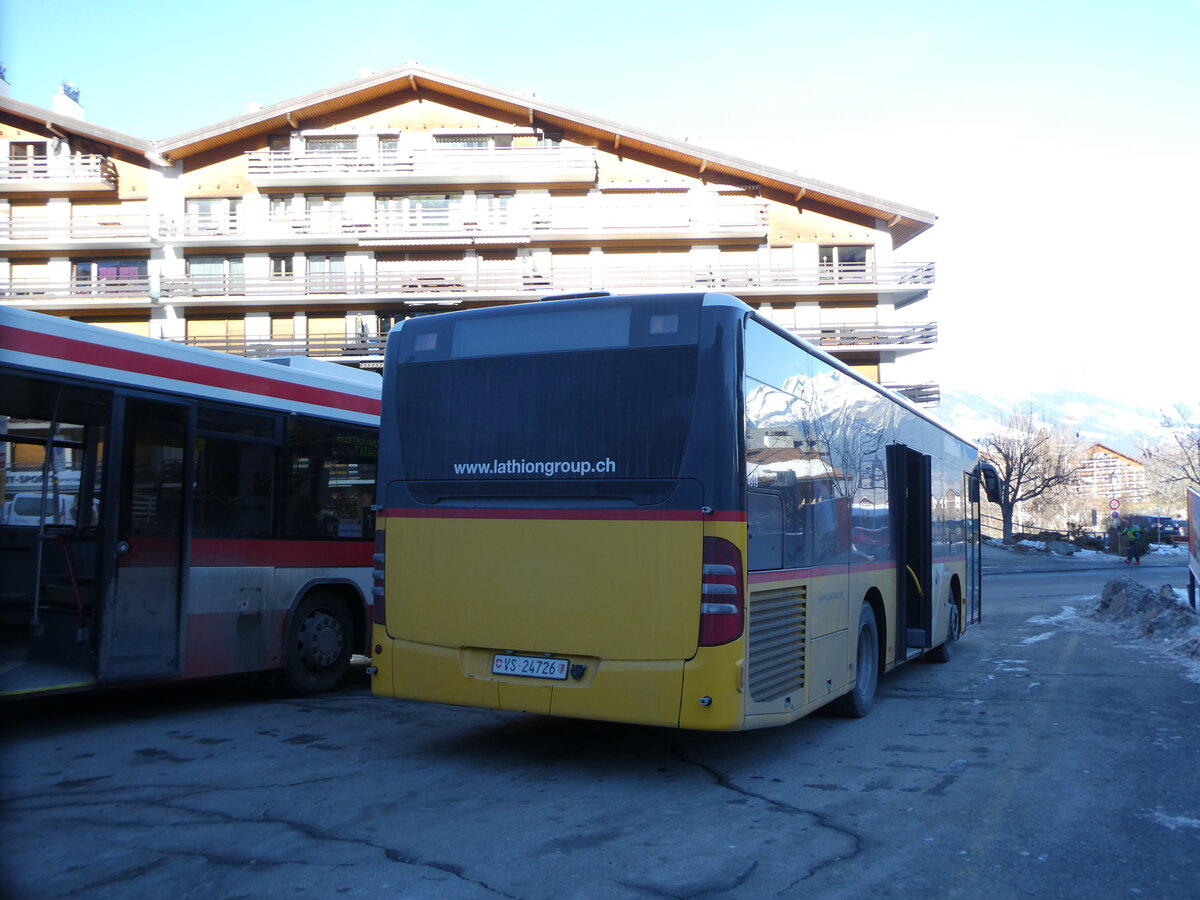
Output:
(1058, 142)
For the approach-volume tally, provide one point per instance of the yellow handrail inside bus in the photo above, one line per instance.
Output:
(916, 581)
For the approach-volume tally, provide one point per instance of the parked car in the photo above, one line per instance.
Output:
(1161, 529)
(23, 508)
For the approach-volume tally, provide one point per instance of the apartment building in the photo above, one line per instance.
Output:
(1108, 474)
(315, 225)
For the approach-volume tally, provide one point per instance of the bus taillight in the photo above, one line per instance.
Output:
(721, 597)
(377, 595)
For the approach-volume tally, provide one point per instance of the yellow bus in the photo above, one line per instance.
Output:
(658, 509)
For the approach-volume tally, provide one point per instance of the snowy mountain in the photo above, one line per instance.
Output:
(1092, 418)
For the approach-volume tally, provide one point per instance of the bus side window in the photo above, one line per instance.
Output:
(234, 487)
(764, 519)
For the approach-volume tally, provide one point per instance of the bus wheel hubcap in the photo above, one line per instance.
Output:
(320, 640)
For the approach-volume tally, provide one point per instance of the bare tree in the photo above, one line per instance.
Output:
(1174, 461)
(1032, 459)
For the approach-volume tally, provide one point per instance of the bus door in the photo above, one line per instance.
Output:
(140, 625)
(910, 499)
(974, 560)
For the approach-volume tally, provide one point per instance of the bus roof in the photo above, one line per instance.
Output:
(711, 299)
(718, 298)
(40, 343)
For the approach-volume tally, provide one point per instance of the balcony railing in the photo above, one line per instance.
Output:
(464, 278)
(81, 169)
(929, 394)
(612, 217)
(319, 345)
(207, 225)
(76, 289)
(451, 166)
(381, 225)
(828, 336)
(80, 228)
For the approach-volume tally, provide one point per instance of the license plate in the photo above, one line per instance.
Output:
(530, 666)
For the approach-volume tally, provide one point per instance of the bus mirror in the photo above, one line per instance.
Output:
(991, 481)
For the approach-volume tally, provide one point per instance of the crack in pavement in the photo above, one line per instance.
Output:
(175, 803)
(724, 781)
(127, 875)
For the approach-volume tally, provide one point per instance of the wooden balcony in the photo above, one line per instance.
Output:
(455, 225)
(109, 231)
(870, 337)
(505, 165)
(326, 346)
(73, 291)
(509, 283)
(928, 394)
(58, 174)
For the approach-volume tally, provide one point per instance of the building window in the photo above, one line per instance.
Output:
(27, 159)
(211, 215)
(279, 143)
(463, 141)
(279, 208)
(324, 212)
(492, 210)
(110, 276)
(282, 266)
(334, 146)
(419, 211)
(326, 273)
(216, 274)
(389, 144)
(847, 262)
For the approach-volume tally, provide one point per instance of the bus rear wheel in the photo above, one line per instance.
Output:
(859, 701)
(318, 644)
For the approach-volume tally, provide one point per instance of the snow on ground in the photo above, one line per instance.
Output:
(1161, 619)
(1164, 552)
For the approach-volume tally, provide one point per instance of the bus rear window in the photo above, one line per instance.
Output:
(570, 424)
(599, 325)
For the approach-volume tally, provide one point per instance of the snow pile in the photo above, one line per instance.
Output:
(1163, 615)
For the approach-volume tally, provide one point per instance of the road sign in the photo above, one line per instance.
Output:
(1114, 505)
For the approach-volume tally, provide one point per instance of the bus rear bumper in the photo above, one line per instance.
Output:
(637, 692)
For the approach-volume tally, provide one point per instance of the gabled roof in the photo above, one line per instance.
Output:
(57, 122)
(903, 222)
(1104, 448)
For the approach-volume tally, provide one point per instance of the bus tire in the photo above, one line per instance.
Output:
(318, 644)
(861, 698)
(944, 652)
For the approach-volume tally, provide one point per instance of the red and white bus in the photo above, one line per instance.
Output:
(168, 512)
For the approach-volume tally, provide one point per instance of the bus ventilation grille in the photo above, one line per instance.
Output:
(777, 623)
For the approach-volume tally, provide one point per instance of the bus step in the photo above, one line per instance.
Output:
(60, 639)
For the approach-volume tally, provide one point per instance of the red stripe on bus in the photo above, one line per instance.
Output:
(635, 515)
(56, 347)
(160, 551)
(782, 575)
(304, 554)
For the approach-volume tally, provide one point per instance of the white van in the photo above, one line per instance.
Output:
(22, 509)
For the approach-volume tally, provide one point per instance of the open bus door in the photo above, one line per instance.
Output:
(974, 551)
(140, 621)
(910, 499)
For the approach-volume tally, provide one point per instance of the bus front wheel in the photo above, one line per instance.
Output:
(861, 698)
(318, 644)
(944, 651)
